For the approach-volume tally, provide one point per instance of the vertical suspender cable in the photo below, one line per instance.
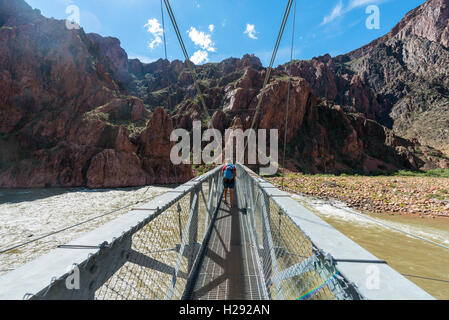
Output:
(163, 29)
(189, 65)
(186, 56)
(166, 58)
(269, 69)
(288, 94)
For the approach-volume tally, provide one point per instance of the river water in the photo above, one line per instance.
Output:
(29, 213)
(404, 253)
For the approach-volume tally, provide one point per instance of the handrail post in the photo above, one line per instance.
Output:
(252, 214)
(209, 208)
(217, 190)
(193, 231)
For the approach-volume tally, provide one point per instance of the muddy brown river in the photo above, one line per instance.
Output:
(406, 254)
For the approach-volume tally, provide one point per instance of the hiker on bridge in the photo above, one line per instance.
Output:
(229, 172)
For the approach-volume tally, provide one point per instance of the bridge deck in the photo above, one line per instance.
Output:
(229, 270)
(143, 258)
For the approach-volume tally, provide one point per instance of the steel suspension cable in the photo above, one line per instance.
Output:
(194, 75)
(273, 58)
(163, 31)
(192, 70)
(186, 56)
(279, 38)
(288, 94)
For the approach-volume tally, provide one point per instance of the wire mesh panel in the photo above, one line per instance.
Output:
(162, 253)
(292, 266)
(302, 272)
(152, 258)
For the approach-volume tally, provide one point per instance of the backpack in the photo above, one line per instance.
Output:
(228, 172)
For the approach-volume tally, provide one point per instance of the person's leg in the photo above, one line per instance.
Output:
(232, 196)
(226, 195)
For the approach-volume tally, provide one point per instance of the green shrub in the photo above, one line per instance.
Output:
(441, 173)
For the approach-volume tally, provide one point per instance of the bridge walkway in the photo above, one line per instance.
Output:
(229, 269)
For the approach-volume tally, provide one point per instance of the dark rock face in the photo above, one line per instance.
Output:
(64, 112)
(333, 81)
(399, 80)
(112, 55)
(74, 111)
(408, 70)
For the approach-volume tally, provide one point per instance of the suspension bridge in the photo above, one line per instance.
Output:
(188, 244)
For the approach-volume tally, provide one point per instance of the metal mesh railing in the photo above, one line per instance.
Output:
(166, 247)
(155, 258)
(163, 252)
(292, 266)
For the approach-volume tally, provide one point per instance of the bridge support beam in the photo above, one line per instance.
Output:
(93, 273)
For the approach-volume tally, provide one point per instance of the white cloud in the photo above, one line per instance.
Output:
(251, 31)
(199, 57)
(201, 39)
(339, 9)
(154, 27)
(155, 42)
(336, 12)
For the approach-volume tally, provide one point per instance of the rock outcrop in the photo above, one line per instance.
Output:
(65, 117)
(74, 111)
(408, 71)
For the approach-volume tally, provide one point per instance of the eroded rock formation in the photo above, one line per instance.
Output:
(75, 111)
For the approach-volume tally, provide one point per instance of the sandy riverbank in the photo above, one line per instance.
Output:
(416, 196)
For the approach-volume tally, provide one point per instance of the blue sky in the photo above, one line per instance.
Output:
(216, 30)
